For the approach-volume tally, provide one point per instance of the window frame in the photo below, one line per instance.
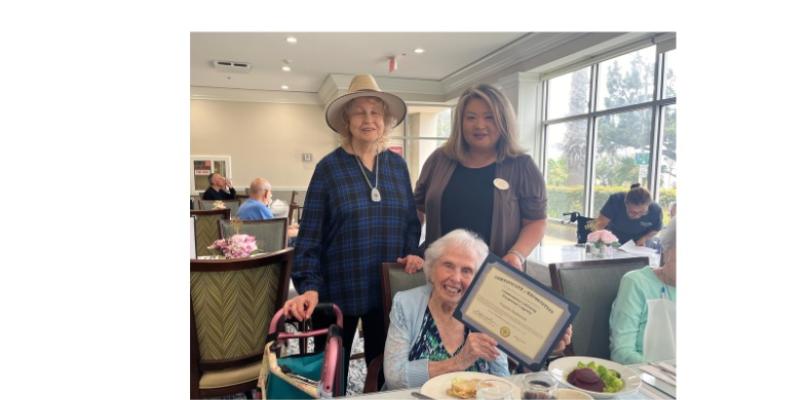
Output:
(657, 105)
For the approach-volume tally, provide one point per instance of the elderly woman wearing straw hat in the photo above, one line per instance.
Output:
(359, 212)
(482, 180)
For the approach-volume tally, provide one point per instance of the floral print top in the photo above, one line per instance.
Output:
(429, 345)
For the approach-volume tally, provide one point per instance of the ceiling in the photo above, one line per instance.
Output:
(317, 55)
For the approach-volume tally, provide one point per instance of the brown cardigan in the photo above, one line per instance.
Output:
(525, 199)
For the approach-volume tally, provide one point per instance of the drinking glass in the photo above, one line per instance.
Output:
(539, 385)
(493, 389)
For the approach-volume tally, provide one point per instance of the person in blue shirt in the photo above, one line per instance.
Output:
(631, 215)
(257, 206)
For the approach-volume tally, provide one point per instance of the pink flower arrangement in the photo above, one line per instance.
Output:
(604, 236)
(237, 246)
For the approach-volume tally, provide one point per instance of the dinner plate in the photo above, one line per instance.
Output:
(436, 387)
(571, 394)
(562, 367)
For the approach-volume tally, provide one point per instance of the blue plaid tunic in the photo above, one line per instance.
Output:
(344, 236)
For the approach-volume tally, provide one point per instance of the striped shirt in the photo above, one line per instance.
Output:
(345, 236)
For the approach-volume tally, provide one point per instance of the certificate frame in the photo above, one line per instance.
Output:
(563, 310)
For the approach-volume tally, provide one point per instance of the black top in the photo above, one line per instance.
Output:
(625, 228)
(468, 200)
(211, 194)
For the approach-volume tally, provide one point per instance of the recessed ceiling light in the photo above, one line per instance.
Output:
(419, 50)
(286, 68)
(284, 87)
(291, 39)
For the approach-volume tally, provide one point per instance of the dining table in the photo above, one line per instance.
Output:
(656, 384)
(538, 262)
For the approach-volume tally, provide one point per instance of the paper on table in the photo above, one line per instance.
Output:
(631, 247)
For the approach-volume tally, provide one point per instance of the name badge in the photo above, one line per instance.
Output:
(501, 184)
(645, 224)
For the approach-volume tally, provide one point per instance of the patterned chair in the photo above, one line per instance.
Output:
(233, 205)
(593, 286)
(232, 303)
(270, 234)
(207, 229)
(394, 279)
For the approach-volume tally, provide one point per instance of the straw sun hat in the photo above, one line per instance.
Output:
(363, 86)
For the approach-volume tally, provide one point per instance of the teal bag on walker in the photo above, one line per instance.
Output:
(303, 376)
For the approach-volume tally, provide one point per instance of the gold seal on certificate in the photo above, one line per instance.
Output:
(525, 317)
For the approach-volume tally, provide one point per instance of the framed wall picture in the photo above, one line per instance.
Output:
(202, 166)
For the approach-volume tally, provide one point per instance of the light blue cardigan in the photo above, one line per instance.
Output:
(408, 311)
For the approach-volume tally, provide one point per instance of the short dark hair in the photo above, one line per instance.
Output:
(638, 195)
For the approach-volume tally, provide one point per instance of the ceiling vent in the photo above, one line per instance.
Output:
(231, 66)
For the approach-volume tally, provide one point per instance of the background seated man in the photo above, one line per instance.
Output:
(220, 188)
(257, 206)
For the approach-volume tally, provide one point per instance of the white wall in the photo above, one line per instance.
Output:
(263, 139)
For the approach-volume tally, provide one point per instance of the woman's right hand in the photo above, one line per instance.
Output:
(302, 306)
(478, 345)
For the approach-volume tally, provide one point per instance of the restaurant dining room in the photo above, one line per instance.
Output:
(416, 200)
(485, 215)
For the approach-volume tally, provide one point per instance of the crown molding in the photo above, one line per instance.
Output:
(522, 49)
(410, 90)
(253, 95)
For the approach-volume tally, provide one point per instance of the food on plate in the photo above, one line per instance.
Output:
(463, 388)
(596, 378)
(585, 378)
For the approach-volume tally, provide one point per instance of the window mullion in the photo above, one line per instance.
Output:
(591, 133)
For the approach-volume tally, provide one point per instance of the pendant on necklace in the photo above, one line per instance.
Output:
(376, 195)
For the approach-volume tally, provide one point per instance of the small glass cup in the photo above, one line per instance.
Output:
(539, 385)
(493, 389)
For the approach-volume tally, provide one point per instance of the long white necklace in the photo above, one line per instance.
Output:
(375, 194)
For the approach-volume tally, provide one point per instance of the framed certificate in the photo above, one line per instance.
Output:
(525, 317)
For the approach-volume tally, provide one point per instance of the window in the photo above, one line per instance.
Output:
(596, 146)
(569, 95)
(669, 74)
(667, 170)
(426, 128)
(566, 167)
(627, 79)
(622, 154)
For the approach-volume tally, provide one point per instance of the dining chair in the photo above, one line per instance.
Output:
(232, 303)
(233, 205)
(296, 207)
(394, 279)
(207, 229)
(270, 234)
(592, 285)
(195, 202)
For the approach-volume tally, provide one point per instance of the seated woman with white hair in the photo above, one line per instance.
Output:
(424, 338)
(642, 318)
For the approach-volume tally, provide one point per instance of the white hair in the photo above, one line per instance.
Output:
(459, 238)
(669, 236)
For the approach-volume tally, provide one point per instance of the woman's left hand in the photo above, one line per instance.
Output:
(411, 262)
(513, 260)
(565, 340)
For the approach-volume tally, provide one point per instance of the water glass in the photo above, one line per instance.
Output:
(539, 385)
(493, 389)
